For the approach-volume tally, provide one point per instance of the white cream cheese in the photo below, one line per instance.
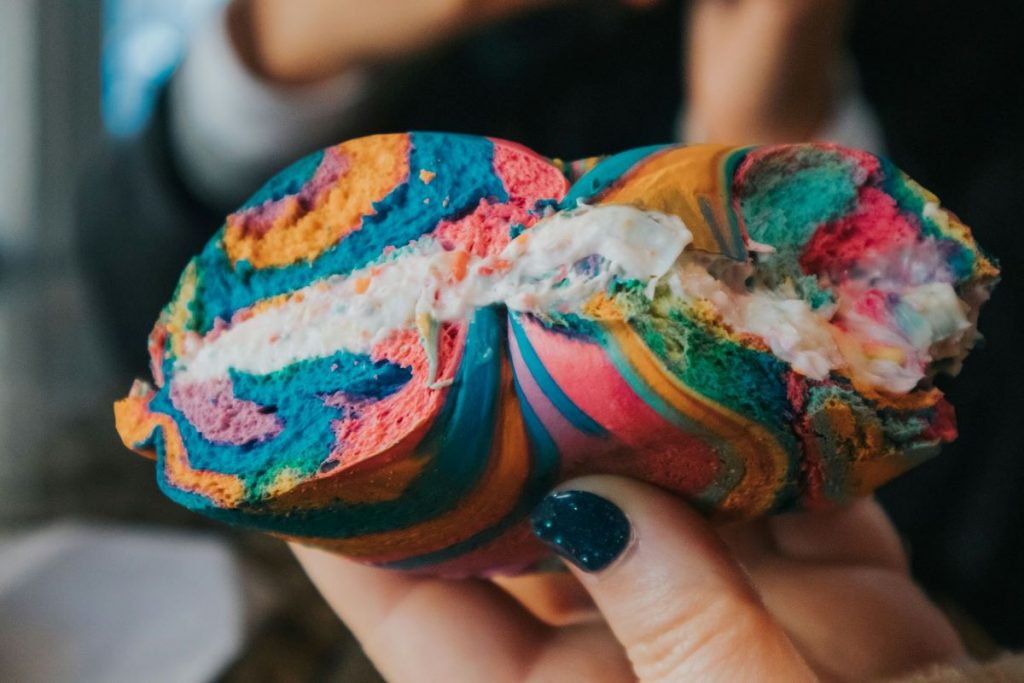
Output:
(796, 334)
(541, 270)
(562, 262)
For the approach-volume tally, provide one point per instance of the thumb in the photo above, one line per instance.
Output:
(665, 583)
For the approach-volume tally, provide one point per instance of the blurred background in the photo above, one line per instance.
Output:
(101, 578)
(93, 559)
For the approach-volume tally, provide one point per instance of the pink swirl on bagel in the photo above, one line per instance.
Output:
(213, 409)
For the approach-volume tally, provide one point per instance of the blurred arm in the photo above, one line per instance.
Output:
(766, 71)
(267, 81)
(852, 121)
(231, 128)
(849, 121)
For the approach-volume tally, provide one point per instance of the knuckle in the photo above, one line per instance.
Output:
(687, 632)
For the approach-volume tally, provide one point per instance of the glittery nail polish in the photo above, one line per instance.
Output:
(582, 527)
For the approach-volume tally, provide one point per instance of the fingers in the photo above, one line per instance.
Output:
(858, 534)
(417, 629)
(666, 584)
(556, 598)
(844, 568)
(882, 625)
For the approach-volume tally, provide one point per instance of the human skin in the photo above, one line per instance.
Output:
(763, 70)
(802, 596)
(757, 70)
(329, 36)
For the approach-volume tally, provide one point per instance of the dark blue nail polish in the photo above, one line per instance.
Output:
(582, 527)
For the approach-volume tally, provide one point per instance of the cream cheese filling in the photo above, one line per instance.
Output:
(561, 264)
(545, 268)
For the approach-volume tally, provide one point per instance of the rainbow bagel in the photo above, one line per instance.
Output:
(401, 343)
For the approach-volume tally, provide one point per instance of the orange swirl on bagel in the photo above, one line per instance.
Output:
(758, 454)
(301, 226)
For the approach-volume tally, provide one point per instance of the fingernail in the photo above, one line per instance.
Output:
(582, 527)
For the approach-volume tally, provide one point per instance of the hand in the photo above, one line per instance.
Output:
(782, 599)
(762, 71)
(325, 37)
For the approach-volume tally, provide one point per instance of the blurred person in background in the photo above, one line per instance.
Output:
(271, 80)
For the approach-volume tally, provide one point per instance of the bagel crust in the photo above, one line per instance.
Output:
(398, 345)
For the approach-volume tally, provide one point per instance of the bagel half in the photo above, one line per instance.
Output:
(401, 343)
